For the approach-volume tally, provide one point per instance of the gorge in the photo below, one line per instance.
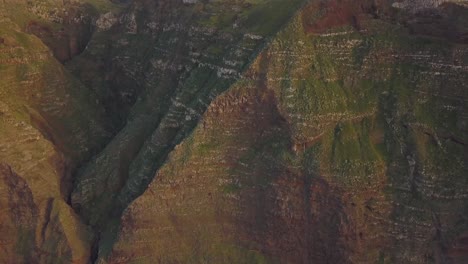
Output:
(234, 131)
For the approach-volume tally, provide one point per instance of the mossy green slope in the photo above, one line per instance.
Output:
(48, 124)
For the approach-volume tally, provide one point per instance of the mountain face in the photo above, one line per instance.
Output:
(247, 131)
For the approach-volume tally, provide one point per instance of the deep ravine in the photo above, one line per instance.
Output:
(247, 131)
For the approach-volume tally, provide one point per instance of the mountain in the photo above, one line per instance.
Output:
(248, 131)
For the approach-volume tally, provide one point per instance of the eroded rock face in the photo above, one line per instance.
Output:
(106, 21)
(233, 131)
(176, 78)
(328, 150)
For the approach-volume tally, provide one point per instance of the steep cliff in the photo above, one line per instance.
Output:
(177, 57)
(345, 142)
(250, 131)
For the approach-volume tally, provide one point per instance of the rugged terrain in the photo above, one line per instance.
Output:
(250, 131)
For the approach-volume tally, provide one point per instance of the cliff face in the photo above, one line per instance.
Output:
(178, 57)
(234, 131)
(345, 142)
